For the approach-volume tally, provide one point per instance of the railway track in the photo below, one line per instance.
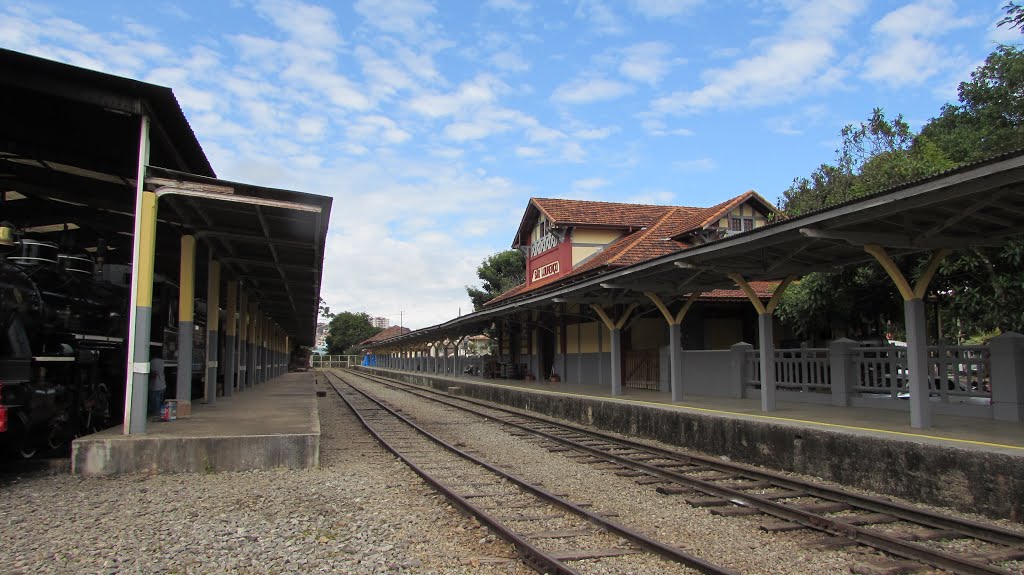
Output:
(550, 533)
(915, 538)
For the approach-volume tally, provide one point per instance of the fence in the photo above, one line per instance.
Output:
(328, 361)
(953, 371)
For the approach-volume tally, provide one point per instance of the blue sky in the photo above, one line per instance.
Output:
(432, 123)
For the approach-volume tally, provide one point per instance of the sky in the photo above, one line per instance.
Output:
(432, 123)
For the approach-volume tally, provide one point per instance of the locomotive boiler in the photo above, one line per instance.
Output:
(63, 334)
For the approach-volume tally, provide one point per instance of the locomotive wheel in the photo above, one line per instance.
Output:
(24, 446)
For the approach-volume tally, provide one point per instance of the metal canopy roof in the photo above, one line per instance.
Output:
(976, 205)
(69, 155)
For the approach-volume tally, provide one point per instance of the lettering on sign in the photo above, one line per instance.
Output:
(545, 271)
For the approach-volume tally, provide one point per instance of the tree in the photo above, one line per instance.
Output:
(1014, 16)
(499, 272)
(857, 302)
(348, 329)
(989, 119)
(324, 311)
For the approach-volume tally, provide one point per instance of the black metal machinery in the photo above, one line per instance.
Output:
(63, 342)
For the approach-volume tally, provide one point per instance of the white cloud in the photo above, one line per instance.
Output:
(697, 165)
(596, 133)
(664, 8)
(469, 95)
(573, 152)
(510, 60)
(305, 24)
(405, 17)
(510, 5)
(908, 50)
(376, 130)
(646, 62)
(589, 184)
(657, 127)
(529, 152)
(601, 17)
(587, 90)
(801, 58)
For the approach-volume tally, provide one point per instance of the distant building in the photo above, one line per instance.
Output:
(380, 322)
(321, 336)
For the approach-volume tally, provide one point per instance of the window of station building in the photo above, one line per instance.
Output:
(741, 224)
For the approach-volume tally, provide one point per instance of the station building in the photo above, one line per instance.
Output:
(564, 240)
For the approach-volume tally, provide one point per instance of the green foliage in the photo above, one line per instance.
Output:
(875, 155)
(989, 119)
(1014, 16)
(856, 302)
(324, 311)
(982, 290)
(346, 330)
(499, 273)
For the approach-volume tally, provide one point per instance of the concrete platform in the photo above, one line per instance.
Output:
(970, 464)
(273, 425)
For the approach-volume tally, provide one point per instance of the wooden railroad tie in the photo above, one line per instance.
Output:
(580, 554)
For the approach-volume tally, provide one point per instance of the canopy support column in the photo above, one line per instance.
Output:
(766, 335)
(615, 329)
(212, 328)
(186, 324)
(243, 339)
(917, 335)
(136, 389)
(675, 356)
(230, 322)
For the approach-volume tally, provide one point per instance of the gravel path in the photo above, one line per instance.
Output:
(361, 512)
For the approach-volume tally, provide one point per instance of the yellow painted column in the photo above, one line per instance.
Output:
(137, 390)
(186, 319)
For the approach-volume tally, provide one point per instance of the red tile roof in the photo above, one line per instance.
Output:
(387, 333)
(660, 229)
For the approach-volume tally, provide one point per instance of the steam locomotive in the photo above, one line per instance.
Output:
(63, 334)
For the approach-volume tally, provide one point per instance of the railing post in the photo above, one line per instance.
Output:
(842, 376)
(739, 371)
(1007, 376)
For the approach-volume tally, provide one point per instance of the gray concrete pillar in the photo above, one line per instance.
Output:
(675, 360)
(843, 378)
(766, 342)
(917, 363)
(616, 361)
(230, 340)
(212, 328)
(243, 339)
(1007, 376)
(739, 369)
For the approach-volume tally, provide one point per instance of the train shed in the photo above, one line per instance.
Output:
(107, 191)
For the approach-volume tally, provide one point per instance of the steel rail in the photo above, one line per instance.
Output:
(534, 555)
(981, 531)
(893, 545)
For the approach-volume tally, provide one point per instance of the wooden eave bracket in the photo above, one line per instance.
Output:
(890, 267)
(677, 318)
(613, 325)
(773, 303)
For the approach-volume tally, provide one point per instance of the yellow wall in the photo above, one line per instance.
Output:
(588, 236)
(744, 211)
(722, 333)
(648, 333)
(580, 254)
(587, 342)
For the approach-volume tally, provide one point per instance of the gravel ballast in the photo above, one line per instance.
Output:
(361, 512)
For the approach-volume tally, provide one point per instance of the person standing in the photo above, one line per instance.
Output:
(157, 383)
